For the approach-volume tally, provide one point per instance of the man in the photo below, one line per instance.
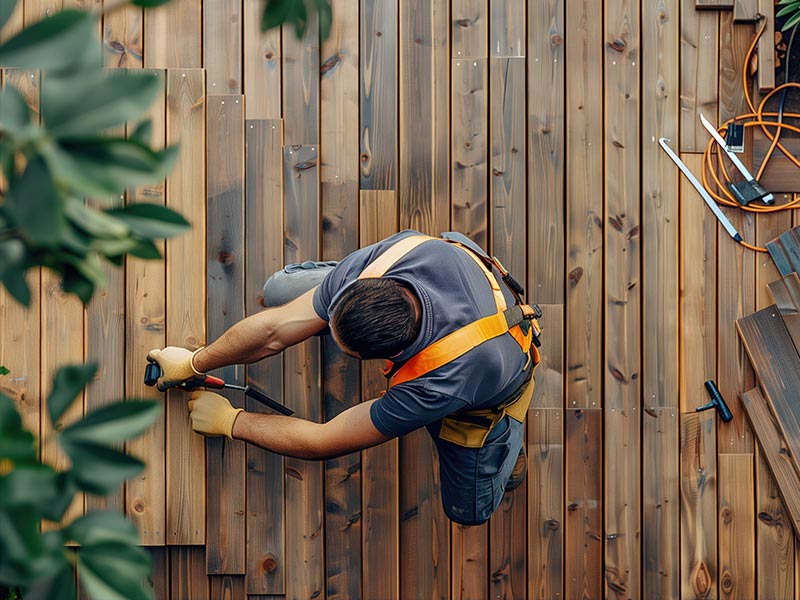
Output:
(457, 341)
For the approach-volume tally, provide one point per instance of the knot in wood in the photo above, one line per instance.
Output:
(270, 563)
(618, 45)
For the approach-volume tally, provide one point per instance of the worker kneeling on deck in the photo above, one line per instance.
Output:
(460, 348)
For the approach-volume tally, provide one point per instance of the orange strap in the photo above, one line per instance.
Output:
(499, 298)
(379, 266)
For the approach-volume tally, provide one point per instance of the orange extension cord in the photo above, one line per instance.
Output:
(757, 119)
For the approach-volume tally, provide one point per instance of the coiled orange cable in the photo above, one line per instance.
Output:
(758, 118)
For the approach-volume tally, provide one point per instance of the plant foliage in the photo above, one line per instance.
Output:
(791, 11)
(109, 561)
(50, 165)
(298, 13)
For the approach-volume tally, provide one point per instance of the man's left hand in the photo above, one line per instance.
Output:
(212, 414)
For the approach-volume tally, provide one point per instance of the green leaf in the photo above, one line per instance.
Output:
(54, 43)
(99, 527)
(16, 285)
(67, 384)
(114, 571)
(143, 132)
(114, 423)
(107, 166)
(12, 253)
(146, 249)
(28, 485)
(95, 222)
(788, 10)
(6, 10)
(36, 205)
(4, 370)
(91, 101)
(74, 282)
(54, 508)
(325, 13)
(275, 13)
(15, 116)
(791, 22)
(16, 443)
(152, 221)
(60, 584)
(98, 469)
(19, 530)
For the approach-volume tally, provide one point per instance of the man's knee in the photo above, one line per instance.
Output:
(293, 281)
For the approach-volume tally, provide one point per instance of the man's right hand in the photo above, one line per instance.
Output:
(176, 365)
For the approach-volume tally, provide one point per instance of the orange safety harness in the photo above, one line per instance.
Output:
(469, 428)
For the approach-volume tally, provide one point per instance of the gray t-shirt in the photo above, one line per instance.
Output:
(453, 292)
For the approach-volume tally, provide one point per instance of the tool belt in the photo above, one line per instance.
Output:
(470, 428)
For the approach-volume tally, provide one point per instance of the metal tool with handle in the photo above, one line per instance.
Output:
(153, 372)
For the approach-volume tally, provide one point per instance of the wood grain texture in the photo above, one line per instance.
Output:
(507, 167)
(15, 22)
(714, 4)
(262, 65)
(159, 579)
(424, 166)
(225, 256)
(222, 46)
(36, 10)
(469, 145)
(187, 573)
(380, 465)
(186, 294)
(339, 173)
(266, 543)
(736, 526)
(745, 10)
(546, 152)
(660, 207)
(145, 329)
(172, 35)
(780, 174)
(300, 72)
(660, 504)
(786, 293)
(774, 540)
(123, 38)
(698, 74)
(774, 447)
(698, 299)
(378, 67)
(584, 218)
(546, 567)
(226, 587)
(785, 251)
(768, 227)
(470, 561)
(698, 505)
(508, 542)
(583, 533)
(623, 301)
(507, 28)
(549, 390)
(469, 28)
(766, 47)
(305, 543)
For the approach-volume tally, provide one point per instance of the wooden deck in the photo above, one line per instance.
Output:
(533, 128)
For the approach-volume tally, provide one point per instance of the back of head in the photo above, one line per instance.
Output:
(375, 318)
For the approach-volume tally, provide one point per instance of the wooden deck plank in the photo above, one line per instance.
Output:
(507, 167)
(583, 533)
(698, 299)
(546, 152)
(36, 10)
(222, 46)
(785, 250)
(549, 390)
(774, 540)
(380, 551)
(262, 65)
(378, 104)
(508, 541)
(187, 573)
(469, 145)
(225, 260)
(745, 10)
(766, 47)
(507, 28)
(15, 22)
(266, 543)
(123, 38)
(775, 449)
(584, 220)
(661, 549)
(768, 227)
(698, 74)
(470, 561)
(173, 34)
(145, 329)
(623, 302)
(300, 72)
(737, 575)
(786, 293)
(339, 173)
(226, 587)
(469, 24)
(546, 566)
(186, 295)
(698, 470)
(305, 544)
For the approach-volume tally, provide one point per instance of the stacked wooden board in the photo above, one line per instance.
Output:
(771, 337)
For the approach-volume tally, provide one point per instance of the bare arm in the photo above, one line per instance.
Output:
(350, 431)
(262, 334)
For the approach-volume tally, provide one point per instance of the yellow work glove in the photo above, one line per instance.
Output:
(176, 364)
(211, 414)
